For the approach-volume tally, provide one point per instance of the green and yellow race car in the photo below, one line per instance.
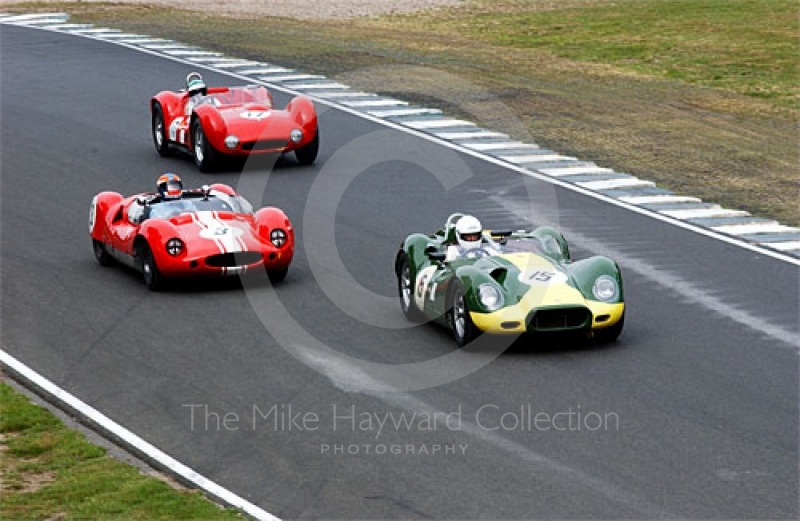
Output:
(505, 282)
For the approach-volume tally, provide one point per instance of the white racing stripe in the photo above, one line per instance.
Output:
(235, 242)
(130, 440)
(207, 228)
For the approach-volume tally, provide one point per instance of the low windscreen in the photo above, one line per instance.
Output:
(214, 203)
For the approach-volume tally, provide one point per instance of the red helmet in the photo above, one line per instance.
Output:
(169, 186)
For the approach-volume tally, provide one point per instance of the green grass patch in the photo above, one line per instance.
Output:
(48, 471)
(747, 46)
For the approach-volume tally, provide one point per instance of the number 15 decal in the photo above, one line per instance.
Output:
(541, 277)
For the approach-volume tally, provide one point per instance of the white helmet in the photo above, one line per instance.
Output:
(195, 84)
(469, 232)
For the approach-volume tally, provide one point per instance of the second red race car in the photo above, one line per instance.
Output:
(176, 233)
(212, 123)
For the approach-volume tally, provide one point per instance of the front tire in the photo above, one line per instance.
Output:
(277, 275)
(159, 133)
(307, 154)
(205, 157)
(101, 254)
(153, 278)
(405, 290)
(611, 334)
(464, 330)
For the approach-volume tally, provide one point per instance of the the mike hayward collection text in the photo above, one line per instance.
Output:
(338, 418)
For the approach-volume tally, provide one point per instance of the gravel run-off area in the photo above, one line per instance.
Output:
(324, 9)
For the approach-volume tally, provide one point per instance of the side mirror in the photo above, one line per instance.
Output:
(436, 255)
(501, 236)
(141, 201)
(205, 189)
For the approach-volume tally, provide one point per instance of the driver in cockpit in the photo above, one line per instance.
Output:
(197, 90)
(469, 238)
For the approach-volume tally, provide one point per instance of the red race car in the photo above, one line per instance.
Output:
(175, 233)
(211, 123)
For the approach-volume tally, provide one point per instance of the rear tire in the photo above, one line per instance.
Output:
(159, 133)
(205, 157)
(307, 154)
(405, 290)
(101, 254)
(150, 274)
(464, 330)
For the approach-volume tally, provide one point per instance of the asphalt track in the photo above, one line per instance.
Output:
(704, 380)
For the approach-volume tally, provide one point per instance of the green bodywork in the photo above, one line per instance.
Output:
(542, 245)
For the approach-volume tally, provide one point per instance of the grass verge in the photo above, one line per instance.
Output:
(48, 471)
(698, 95)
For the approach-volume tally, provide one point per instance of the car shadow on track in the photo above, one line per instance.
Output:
(543, 344)
(208, 285)
(237, 165)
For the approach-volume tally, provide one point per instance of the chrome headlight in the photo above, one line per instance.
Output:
(296, 135)
(174, 247)
(231, 142)
(490, 297)
(605, 288)
(278, 238)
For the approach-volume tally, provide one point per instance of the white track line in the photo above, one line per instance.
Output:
(784, 246)
(69, 27)
(95, 31)
(146, 41)
(402, 112)
(417, 127)
(538, 158)
(318, 86)
(375, 103)
(265, 70)
(18, 18)
(659, 199)
(424, 124)
(746, 229)
(510, 145)
(576, 170)
(163, 47)
(345, 94)
(472, 135)
(129, 438)
(610, 184)
(194, 55)
(704, 213)
(113, 36)
(233, 63)
(293, 77)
